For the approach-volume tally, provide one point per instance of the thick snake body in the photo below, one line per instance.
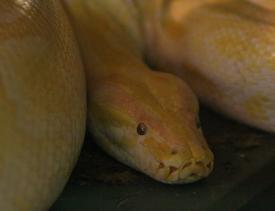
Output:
(42, 103)
(221, 51)
(227, 54)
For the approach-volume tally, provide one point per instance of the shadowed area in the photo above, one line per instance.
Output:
(242, 178)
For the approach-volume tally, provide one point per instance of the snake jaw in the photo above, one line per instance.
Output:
(159, 159)
(189, 171)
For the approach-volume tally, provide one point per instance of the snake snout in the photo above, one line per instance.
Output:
(195, 170)
(188, 172)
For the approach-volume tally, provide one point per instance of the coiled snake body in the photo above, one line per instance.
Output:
(223, 50)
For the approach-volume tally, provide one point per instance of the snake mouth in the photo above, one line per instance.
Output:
(190, 171)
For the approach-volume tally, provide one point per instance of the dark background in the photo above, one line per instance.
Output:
(243, 178)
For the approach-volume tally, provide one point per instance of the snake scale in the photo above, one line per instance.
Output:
(143, 65)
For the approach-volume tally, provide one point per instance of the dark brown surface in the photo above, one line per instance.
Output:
(243, 177)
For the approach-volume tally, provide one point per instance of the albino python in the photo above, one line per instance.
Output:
(224, 50)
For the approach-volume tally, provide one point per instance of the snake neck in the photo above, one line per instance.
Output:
(135, 33)
(118, 43)
(129, 36)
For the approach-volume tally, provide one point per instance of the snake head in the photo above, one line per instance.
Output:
(151, 125)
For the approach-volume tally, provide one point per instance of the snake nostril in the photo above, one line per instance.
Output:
(172, 169)
(200, 163)
(161, 165)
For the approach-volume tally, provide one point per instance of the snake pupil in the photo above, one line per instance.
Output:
(141, 129)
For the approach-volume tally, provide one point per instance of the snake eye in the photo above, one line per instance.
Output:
(141, 129)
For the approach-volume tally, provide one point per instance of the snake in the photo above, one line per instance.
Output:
(132, 73)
